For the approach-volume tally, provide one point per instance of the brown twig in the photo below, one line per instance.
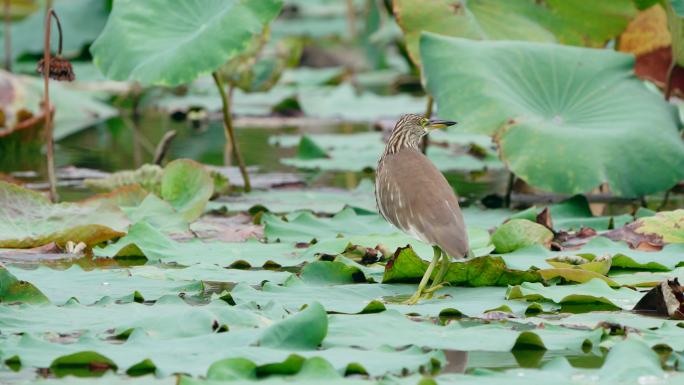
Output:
(228, 127)
(8, 36)
(428, 115)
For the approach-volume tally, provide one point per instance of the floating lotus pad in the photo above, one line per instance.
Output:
(536, 114)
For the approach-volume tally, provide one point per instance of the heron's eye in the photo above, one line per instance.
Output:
(424, 122)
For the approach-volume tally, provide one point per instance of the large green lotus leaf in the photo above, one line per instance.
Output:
(488, 19)
(566, 21)
(325, 201)
(82, 22)
(28, 219)
(406, 266)
(179, 43)
(392, 328)
(622, 256)
(302, 331)
(90, 286)
(169, 317)
(537, 113)
(166, 355)
(188, 186)
(519, 233)
(594, 291)
(144, 240)
(357, 298)
(13, 290)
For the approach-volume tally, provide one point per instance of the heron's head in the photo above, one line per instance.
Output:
(416, 126)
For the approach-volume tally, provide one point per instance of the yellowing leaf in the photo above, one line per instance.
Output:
(647, 32)
(575, 275)
(667, 224)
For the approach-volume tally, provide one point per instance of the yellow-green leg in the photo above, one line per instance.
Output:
(437, 282)
(426, 277)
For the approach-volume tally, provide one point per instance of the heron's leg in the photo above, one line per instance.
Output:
(426, 277)
(437, 282)
(442, 272)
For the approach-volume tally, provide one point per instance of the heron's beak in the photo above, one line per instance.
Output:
(435, 124)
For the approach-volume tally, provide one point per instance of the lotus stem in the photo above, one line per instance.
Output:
(8, 36)
(666, 200)
(428, 115)
(47, 107)
(228, 127)
(351, 18)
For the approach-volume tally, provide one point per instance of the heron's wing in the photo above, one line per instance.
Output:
(418, 200)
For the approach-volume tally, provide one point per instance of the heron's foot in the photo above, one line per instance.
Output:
(414, 298)
(424, 281)
(432, 289)
(424, 294)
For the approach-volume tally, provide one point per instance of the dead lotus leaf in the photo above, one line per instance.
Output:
(666, 299)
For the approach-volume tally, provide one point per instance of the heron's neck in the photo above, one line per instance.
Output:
(401, 139)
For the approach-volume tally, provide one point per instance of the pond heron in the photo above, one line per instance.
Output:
(413, 195)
